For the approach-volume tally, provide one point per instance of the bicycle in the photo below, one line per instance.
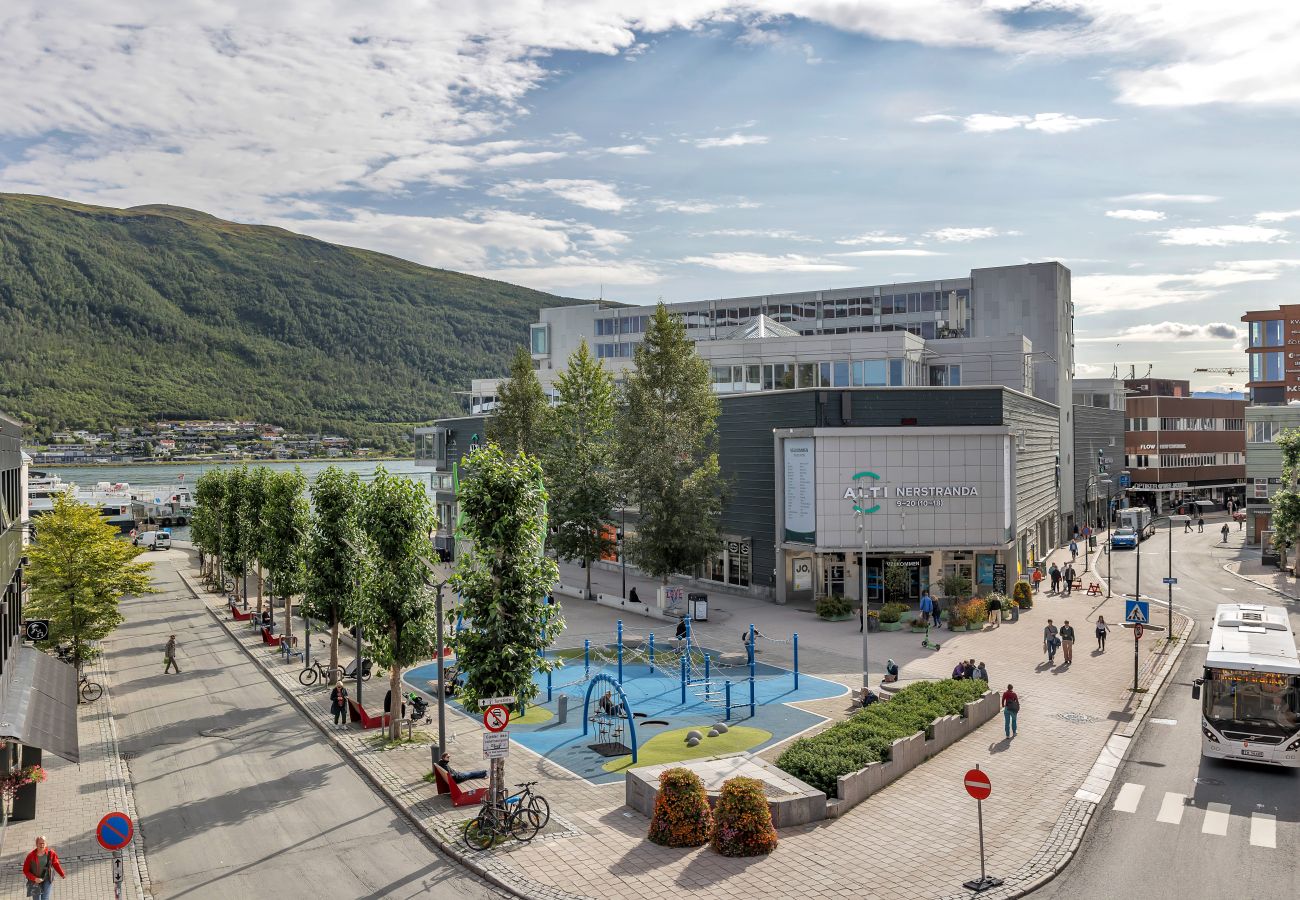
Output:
(510, 817)
(316, 672)
(537, 812)
(90, 690)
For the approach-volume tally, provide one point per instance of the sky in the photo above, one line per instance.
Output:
(686, 149)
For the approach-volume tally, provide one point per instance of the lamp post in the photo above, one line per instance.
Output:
(1092, 480)
(622, 537)
(438, 649)
(862, 580)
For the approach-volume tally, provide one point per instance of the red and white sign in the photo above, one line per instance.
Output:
(978, 784)
(496, 718)
(1137, 632)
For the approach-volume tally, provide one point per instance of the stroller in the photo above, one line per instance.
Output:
(351, 670)
(419, 708)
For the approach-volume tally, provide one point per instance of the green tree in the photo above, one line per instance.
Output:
(580, 461)
(667, 451)
(502, 578)
(236, 541)
(520, 422)
(898, 580)
(334, 568)
(79, 571)
(286, 518)
(1285, 503)
(396, 606)
(205, 524)
(252, 509)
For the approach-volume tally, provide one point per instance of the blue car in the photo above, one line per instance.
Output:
(1123, 537)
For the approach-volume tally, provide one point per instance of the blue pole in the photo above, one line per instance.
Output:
(460, 623)
(683, 681)
(728, 701)
(548, 687)
(620, 651)
(652, 653)
(751, 641)
(586, 657)
(707, 686)
(795, 640)
(752, 704)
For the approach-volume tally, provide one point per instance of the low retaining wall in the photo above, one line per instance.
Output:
(649, 610)
(796, 803)
(907, 753)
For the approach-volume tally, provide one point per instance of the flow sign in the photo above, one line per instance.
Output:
(114, 831)
(496, 746)
(117, 875)
(496, 701)
(1138, 611)
(1169, 580)
(496, 718)
(37, 629)
(978, 784)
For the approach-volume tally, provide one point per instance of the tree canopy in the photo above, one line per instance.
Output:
(523, 412)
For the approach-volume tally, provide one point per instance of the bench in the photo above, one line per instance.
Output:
(268, 638)
(288, 648)
(459, 797)
(241, 616)
(357, 713)
(1094, 589)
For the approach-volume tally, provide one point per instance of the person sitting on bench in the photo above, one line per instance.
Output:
(891, 671)
(458, 777)
(266, 618)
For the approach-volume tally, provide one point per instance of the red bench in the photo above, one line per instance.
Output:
(357, 713)
(241, 616)
(459, 797)
(268, 638)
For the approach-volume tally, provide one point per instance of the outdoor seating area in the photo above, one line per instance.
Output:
(268, 638)
(357, 713)
(459, 796)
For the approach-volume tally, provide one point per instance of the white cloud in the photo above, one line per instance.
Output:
(988, 123)
(1277, 216)
(700, 207)
(1179, 331)
(1136, 215)
(758, 263)
(1221, 235)
(1168, 198)
(895, 251)
(873, 237)
(1224, 387)
(629, 150)
(1094, 294)
(570, 272)
(586, 192)
(962, 235)
(776, 234)
(1089, 370)
(733, 140)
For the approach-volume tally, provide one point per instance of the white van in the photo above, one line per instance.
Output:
(154, 540)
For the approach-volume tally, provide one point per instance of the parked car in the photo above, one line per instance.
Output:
(153, 540)
(1123, 537)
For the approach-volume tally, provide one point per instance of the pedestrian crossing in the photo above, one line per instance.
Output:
(1215, 819)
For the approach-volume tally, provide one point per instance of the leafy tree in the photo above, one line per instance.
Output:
(502, 578)
(236, 541)
(79, 571)
(1285, 503)
(667, 451)
(397, 519)
(580, 464)
(519, 424)
(286, 518)
(252, 511)
(205, 524)
(334, 568)
(898, 579)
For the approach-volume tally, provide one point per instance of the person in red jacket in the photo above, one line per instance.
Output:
(39, 867)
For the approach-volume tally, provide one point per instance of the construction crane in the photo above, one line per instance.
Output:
(1221, 371)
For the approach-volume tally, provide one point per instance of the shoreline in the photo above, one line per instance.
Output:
(218, 462)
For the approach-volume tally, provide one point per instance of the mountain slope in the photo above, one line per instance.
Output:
(111, 316)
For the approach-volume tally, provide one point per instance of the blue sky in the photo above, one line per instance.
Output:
(682, 149)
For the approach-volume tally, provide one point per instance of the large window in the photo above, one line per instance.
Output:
(1266, 366)
(870, 373)
(539, 339)
(1266, 334)
(896, 372)
(807, 375)
(945, 376)
(778, 376)
(1261, 432)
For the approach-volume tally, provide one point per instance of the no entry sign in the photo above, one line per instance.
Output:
(496, 718)
(978, 784)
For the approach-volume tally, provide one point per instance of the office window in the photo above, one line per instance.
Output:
(539, 338)
(778, 376)
(807, 375)
(1273, 333)
(1260, 432)
(753, 381)
(927, 301)
(824, 373)
(1234, 424)
(722, 375)
(954, 376)
(870, 373)
(928, 330)
(1266, 366)
(896, 372)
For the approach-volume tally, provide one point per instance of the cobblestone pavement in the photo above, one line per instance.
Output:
(917, 838)
(68, 807)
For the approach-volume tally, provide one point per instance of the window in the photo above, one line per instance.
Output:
(841, 373)
(914, 302)
(778, 376)
(807, 375)
(1234, 424)
(722, 375)
(896, 371)
(1266, 366)
(752, 380)
(1142, 424)
(927, 301)
(1261, 432)
(1266, 334)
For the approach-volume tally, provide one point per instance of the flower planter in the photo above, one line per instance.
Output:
(873, 625)
(918, 629)
(843, 618)
(891, 626)
(974, 626)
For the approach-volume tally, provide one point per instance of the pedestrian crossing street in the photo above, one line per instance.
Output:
(1215, 819)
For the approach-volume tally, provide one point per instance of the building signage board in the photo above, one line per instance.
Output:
(803, 574)
(800, 490)
(984, 568)
(1000, 578)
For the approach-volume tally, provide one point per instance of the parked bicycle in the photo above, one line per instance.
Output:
(90, 690)
(316, 672)
(521, 816)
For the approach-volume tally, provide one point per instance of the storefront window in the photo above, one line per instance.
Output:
(730, 565)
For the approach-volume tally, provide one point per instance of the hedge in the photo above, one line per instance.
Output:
(866, 736)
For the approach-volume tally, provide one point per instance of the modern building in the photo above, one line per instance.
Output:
(1099, 416)
(1264, 462)
(1179, 447)
(1273, 337)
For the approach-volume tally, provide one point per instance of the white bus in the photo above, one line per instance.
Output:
(1250, 692)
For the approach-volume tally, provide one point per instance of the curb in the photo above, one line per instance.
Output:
(443, 846)
(1267, 587)
(120, 772)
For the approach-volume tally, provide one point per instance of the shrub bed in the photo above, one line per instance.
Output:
(682, 817)
(865, 737)
(742, 822)
(834, 606)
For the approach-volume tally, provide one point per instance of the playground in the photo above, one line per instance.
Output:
(621, 700)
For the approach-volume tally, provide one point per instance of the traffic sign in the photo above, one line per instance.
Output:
(495, 718)
(1137, 631)
(978, 784)
(1169, 580)
(496, 746)
(1137, 611)
(114, 831)
(1125, 480)
(496, 701)
(37, 629)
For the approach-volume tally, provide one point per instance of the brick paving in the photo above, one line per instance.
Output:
(70, 804)
(915, 839)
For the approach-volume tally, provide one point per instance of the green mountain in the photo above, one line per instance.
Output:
(117, 316)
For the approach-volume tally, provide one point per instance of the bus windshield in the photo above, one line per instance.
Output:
(1258, 703)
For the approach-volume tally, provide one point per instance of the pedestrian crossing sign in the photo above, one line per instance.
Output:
(1138, 611)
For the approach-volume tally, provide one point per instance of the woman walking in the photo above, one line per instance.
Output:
(339, 703)
(39, 867)
(1010, 709)
(1102, 628)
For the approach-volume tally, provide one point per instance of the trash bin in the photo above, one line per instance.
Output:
(1092, 542)
(699, 606)
(1015, 614)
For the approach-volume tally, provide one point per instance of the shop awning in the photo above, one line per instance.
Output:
(39, 705)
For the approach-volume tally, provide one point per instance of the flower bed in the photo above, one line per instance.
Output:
(867, 736)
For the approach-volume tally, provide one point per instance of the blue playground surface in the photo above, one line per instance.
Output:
(654, 695)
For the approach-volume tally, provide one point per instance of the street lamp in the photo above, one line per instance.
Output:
(622, 539)
(862, 580)
(442, 688)
(1087, 491)
(1169, 580)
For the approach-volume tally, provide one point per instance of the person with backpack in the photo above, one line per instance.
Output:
(1010, 709)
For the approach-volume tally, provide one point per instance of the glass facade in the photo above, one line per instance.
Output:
(1266, 366)
(1266, 334)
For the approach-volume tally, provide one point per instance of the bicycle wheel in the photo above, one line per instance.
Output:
(539, 809)
(91, 691)
(480, 832)
(524, 825)
(307, 677)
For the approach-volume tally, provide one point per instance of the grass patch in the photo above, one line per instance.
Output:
(534, 715)
(670, 746)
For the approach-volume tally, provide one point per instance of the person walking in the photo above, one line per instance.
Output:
(1050, 640)
(1102, 628)
(995, 611)
(1200, 524)
(39, 867)
(169, 656)
(1074, 551)
(1055, 574)
(1036, 577)
(1224, 531)
(1067, 641)
(339, 702)
(1187, 525)
(1010, 709)
(927, 606)
(1068, 577)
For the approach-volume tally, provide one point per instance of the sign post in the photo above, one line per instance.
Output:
(113, 833)
(1136, 613)
(979, 787)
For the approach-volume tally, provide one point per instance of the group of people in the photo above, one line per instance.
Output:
(1057, 577)
(966, 669)
(1062, 639)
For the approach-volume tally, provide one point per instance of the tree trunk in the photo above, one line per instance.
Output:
(587, 565)
(288, 617)
(259, 588)
(334, 645)
(395, 685)
(496, 781)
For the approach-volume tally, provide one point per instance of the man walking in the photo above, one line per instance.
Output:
(1200, 524)
(1010, 709)
(1074, 551)
(927, 606)
(1224, 531)
(1050, 641)
(1068, 577)
(1067, 641)
(169, 656)
(1055, 574)
(1036, 577)
(1187, 525)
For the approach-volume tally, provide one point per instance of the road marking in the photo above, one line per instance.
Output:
(1229, 589)
(1205, 644)
(1171, 808)
(1128, 797)
(1263, 830)
(1216, 819)
(1164, 721)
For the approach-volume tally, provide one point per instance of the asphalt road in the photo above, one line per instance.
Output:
(1175, 825)
(238, 795)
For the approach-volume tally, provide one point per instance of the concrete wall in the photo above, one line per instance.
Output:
(1096, 428)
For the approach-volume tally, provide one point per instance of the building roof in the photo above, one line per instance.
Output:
(760, 327)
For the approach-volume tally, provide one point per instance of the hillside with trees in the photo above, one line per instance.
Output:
(119, 316)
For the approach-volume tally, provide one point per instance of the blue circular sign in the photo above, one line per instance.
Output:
(114, 831)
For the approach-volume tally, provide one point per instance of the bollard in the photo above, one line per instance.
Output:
(728, 701)
(562, 710)
(795, 641)
(751, 642)
(652, 653)
(586, 657)
(620, 651)
(683, 681)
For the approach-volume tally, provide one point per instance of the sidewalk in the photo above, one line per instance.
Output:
(70, 804)
(916, 838)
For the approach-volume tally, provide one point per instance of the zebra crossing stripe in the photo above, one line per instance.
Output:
(1216, 819)
(1171, 808)
(1263, 830)
(1128, 797)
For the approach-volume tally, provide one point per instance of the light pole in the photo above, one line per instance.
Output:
(1169, 580)
(622, 538)
(1097, 480)
(862, 580)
